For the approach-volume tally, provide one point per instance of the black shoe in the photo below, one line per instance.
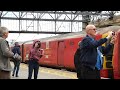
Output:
(13, 75)
(16, 75)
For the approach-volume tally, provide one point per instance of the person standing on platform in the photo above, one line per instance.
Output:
(90, 55)
(5, 54)
(34, 56)
(16, 49)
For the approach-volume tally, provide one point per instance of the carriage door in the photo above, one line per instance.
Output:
(61, 53)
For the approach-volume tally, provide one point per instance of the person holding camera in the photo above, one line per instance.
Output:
(34, 56)
(91, 53)
(17, 52)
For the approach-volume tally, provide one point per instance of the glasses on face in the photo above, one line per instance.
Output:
(93, 29)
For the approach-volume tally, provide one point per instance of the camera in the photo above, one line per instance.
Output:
(113, 33)
(39, 44)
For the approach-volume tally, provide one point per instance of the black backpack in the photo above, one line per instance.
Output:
(77, 58)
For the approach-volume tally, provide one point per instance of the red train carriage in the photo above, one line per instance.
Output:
(59, 51)
(56, 50)
(116, 57)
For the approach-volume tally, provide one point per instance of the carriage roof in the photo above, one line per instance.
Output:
(77, 34)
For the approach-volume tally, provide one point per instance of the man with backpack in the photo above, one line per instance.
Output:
(90, 53)
(17, 52)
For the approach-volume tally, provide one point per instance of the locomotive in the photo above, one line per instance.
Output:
(59, 51)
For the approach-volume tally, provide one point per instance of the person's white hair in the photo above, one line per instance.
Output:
(3, 30)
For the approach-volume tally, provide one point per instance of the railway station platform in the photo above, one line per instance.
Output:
(45, 73)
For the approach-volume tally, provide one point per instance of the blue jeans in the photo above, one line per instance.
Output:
(16, 67)
(33, 65)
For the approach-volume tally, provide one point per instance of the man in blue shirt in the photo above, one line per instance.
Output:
(90, 57)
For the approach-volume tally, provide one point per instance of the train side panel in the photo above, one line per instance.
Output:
(71, 46)
(43, 46)
(26, 49)
(50, 54)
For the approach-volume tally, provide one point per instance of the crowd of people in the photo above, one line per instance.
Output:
(90, 51)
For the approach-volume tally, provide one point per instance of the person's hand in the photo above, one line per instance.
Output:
(113, 40)
(110, 34)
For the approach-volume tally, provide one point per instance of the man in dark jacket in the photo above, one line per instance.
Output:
(90, 57)
(16, 49)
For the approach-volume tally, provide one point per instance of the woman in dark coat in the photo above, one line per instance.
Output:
(16, 49)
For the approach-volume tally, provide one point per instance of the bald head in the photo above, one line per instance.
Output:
(91, 30)
(89, 27)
